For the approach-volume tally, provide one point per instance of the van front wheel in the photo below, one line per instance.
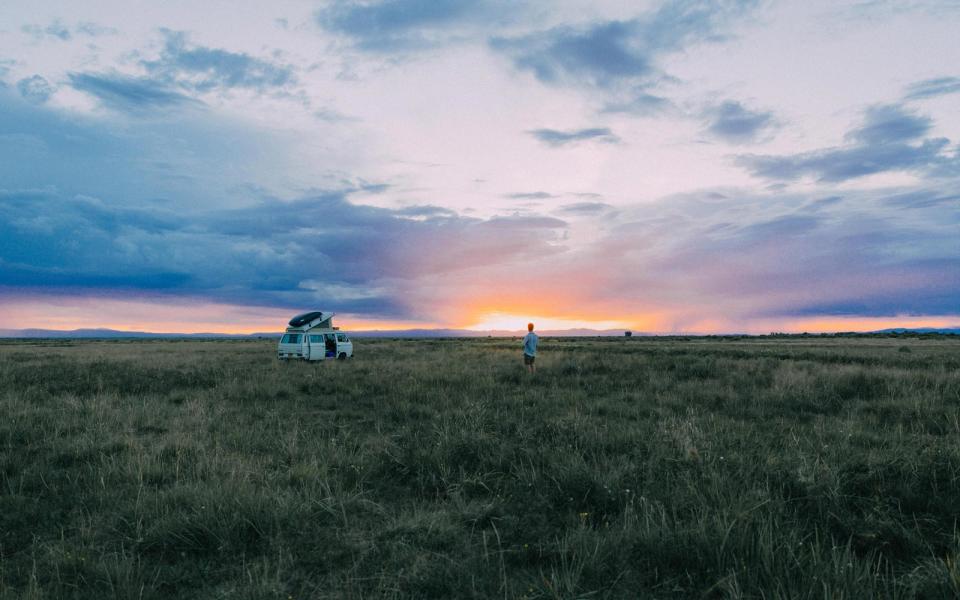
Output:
(342, 356)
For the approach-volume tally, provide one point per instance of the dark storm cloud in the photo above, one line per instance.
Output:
(262, 254)
(734, 123)
(930, 88)
(886, 141)
(557, 138)
(35, 89)
(202, 69)
(49, 241)
(129, 94)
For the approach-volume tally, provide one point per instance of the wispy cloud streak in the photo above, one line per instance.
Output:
(557, 138)
(886, 141)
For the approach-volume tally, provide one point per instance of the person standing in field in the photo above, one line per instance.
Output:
(530, 348)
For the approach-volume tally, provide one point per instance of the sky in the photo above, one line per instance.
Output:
(700, 167)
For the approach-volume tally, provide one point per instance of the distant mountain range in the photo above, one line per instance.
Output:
(415, 333)
(113, 333)
(952, 330)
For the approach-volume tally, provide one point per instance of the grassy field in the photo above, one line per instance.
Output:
(660, 468)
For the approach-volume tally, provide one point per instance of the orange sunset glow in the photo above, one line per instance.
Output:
(67, 313)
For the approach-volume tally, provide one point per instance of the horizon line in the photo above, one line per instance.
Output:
(37, 333)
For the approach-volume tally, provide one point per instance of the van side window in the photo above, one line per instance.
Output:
(316, 339)
(341, 337)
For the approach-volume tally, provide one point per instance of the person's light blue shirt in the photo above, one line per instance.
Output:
(530, 344)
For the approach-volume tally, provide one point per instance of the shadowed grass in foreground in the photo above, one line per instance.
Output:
(803, 468)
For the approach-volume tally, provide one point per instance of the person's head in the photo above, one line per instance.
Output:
(529, 326)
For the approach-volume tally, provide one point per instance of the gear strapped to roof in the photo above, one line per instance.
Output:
(301, 320)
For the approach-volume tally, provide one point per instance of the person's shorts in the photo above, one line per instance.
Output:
(528, 360)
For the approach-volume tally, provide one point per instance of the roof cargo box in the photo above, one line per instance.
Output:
(311, 320)
(301, 320)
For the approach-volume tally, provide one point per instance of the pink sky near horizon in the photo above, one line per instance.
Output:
(181, 316)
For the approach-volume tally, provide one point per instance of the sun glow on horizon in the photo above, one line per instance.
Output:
(166, 315)
(511, 322)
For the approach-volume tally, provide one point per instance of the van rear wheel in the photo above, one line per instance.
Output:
(342, 356)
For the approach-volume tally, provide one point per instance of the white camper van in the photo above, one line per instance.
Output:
(312, 336)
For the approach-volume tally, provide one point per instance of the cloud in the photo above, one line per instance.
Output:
(842, 164)
(884, 142)
(171, 150)
(888, 124)
(584, 208)
(730, 260)
(731, 122)
(54, 29)
(126, 93)
(530, 195)
(35, 89)
(930, 88)
(725, 254)
(180, 72)
(881, 9)
(58, 30)
(94, 29)
(598, 56)
(749, 256)
(619, 58)
(425, 210)
(273, 253)
(557, 138)
(401, 25)
(203, 69)
(640, 104)
(330, 115)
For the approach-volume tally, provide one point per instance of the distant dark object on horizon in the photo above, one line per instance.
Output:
(627, 334)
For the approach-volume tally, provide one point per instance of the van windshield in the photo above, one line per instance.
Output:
(290, 338)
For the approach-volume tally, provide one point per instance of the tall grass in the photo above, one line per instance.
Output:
(800, 468)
